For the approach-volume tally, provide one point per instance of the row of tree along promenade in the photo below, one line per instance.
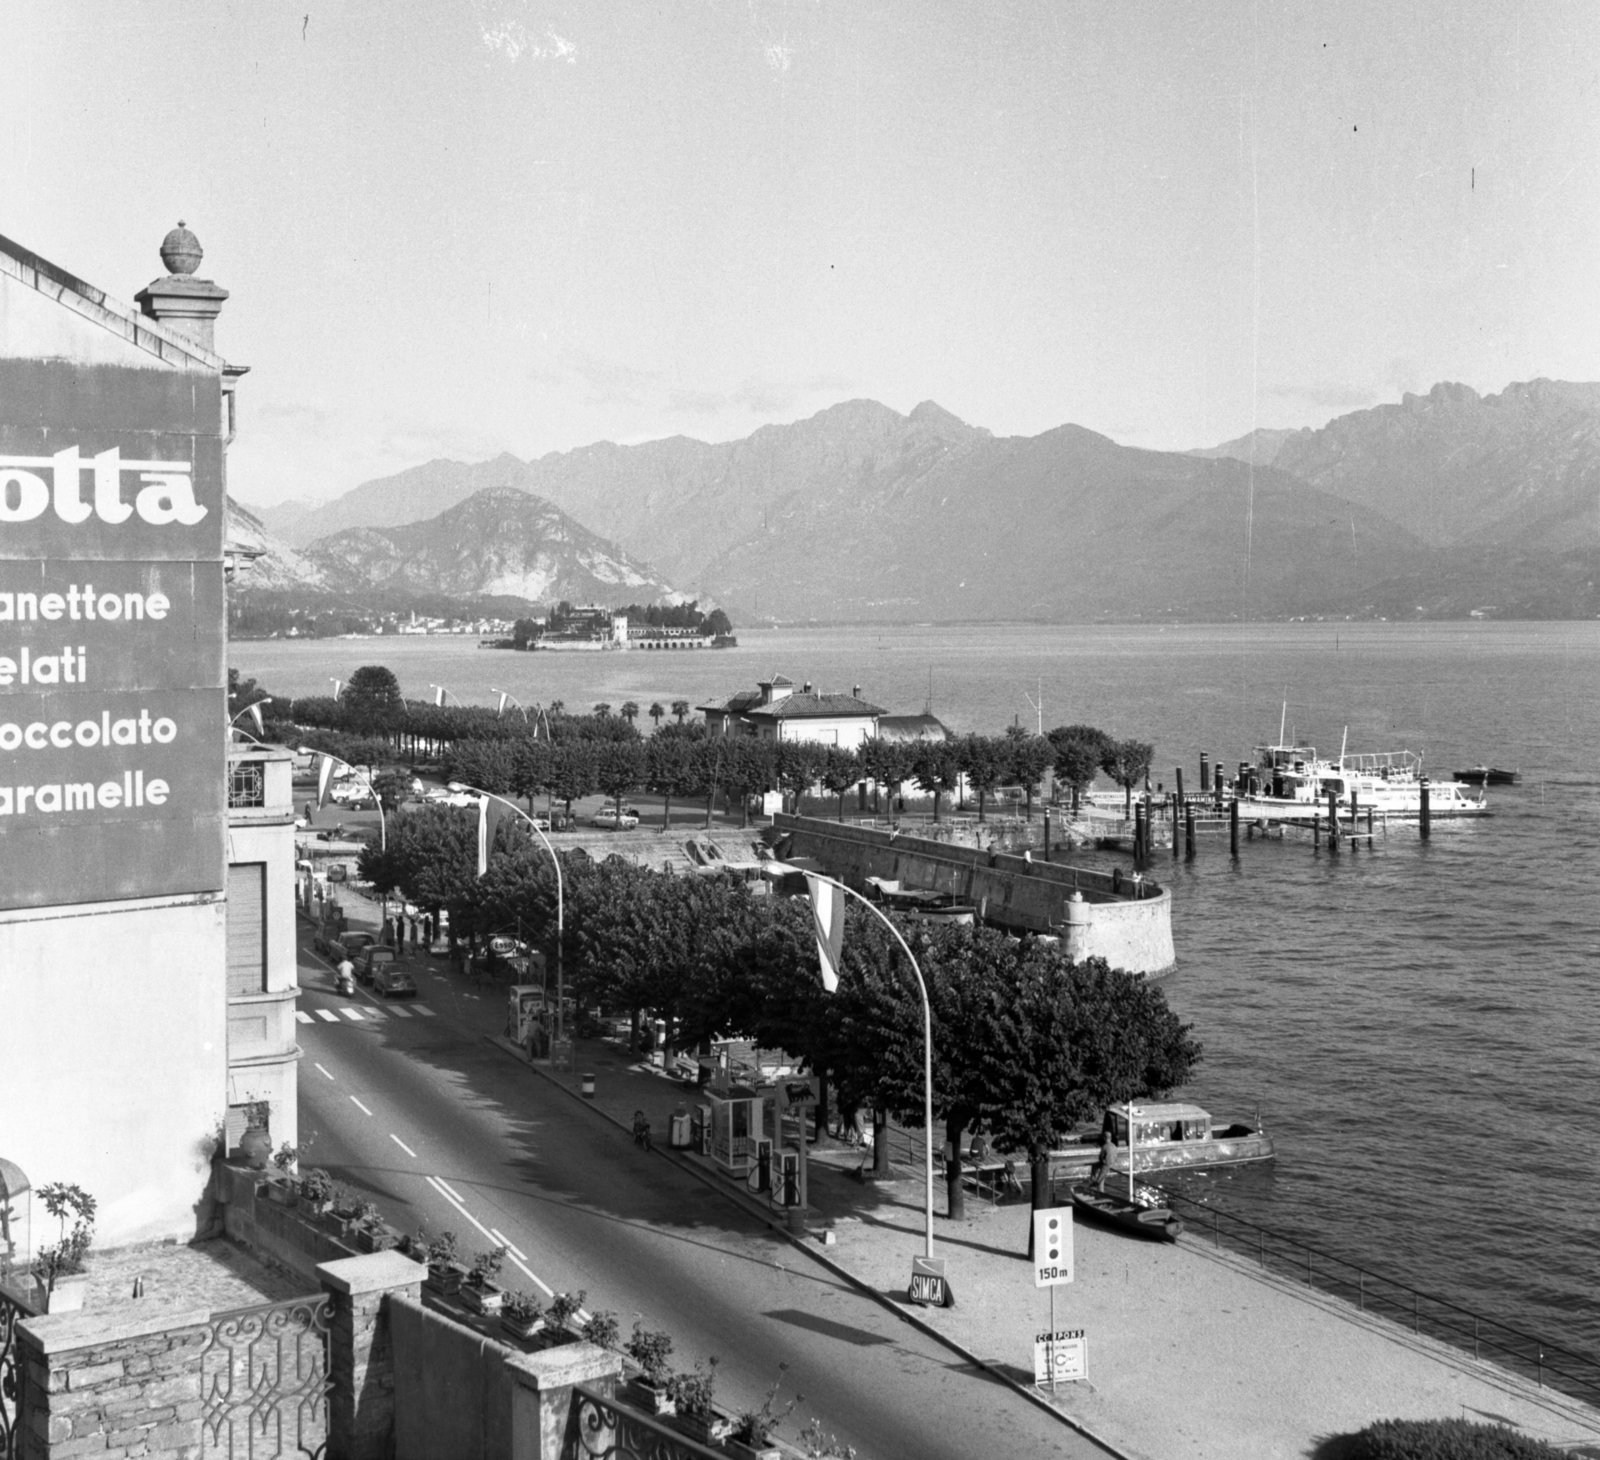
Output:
(567, 756)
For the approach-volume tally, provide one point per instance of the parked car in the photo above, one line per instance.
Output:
(326, 936)
(392, 981)
(612, 820)
(350, 945)
(373, 957)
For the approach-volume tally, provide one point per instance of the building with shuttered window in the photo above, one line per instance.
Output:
(262, 987)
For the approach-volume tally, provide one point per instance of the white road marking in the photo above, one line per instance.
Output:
(302, 1016)
(426, 1012)
(455, 1201)
(324, 1072)
(359, 1106)
(329, 1015)
(449, 1190)
(399, 1013)
(355, 1014)
(403, 1146)
(509, 1245)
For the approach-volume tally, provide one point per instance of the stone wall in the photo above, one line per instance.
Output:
(453, 1393)
(111, 1389)
(1110, 922)
(281, 1236)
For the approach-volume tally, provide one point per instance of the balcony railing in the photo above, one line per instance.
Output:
(247, 784)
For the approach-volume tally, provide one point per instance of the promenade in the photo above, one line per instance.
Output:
(1194, 1351)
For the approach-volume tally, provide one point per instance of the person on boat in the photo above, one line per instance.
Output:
(1102, 1166)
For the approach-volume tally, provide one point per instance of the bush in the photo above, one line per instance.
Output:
(564, 1307)
(1447, 1439)
(694, 1392)
(650, 1350)
(602, 1329)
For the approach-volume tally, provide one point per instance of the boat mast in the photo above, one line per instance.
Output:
(1283, 721)
(1344, 742)
(1130, 1150)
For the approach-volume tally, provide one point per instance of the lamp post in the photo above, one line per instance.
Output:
(927, 1048)
(561, 920)
(255, 705)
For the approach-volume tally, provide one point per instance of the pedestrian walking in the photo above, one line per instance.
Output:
(413, 936)
(427, 929)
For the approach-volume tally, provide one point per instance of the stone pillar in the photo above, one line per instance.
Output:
(1077, 927)
(186, 304)
(542, 1394)
(360, 1358)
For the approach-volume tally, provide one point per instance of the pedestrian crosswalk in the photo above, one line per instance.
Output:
(365, 1014)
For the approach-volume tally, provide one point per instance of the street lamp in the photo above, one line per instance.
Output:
(439, 695)
(561, 920)
(927, 1043)
(253, 708)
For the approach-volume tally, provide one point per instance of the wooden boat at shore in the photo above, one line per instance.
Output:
(1142, 1214)
(1487, 775)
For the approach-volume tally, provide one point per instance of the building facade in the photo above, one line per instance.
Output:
(114, 424)
(776, 710)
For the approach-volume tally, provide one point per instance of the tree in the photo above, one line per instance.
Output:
(391, 787)
(671, 765)
(796, 764)
(490, 765)
(601, 710)
(840, 770)
(889, 763)
(618, 769)
(1085, 1036)
(746, 768)
(984, 760)
(936, 769)
(656, 712)
(572, 771)
(1079, 749)
(716, 623)
(680, 708)
(1127, 762)
(629, 710)
(1031, 756)
(372, 699)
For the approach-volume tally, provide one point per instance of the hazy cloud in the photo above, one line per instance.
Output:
(1330, 394)
(695, 402)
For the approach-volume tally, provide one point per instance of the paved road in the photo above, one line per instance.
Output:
(412, 1104)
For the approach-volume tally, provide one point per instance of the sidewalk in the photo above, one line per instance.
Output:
(1193, 1351)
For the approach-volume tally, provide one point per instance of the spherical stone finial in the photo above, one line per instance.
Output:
(181, 251)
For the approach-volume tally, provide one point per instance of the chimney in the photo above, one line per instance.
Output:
(180, 301)
(807, 688)
(855, 691)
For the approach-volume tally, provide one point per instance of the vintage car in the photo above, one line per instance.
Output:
(392, 981)
(350, 945)
(373, 957)
(613, 820)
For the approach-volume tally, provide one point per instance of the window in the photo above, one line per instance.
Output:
(247, 928)
(247, 784)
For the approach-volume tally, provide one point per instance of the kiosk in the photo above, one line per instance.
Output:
(733, 1125)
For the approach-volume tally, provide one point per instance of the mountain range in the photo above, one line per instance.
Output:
(1440, 505)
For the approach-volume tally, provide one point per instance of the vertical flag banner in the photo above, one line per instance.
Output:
(338, 685)
(827, 913)
(503, 698)
(438, 694)
(324, 779)
(491, 812)
(255, 714)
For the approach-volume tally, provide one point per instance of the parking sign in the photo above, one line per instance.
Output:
(1052, 1247)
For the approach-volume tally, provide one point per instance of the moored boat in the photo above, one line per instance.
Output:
(1292, 783)
(1167, 1137)
(1143, 1214)
(1488, 775)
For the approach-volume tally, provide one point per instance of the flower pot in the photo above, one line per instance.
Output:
(66, 1292)
(255, 1146)
(520, 1328)
(282, 1193)
(707, 1429)
(745, 1451)
(376, 1239)
(652, 1398)
(445, 1277)
(486, 1298)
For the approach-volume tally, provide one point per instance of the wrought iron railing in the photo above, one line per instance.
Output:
(1483, 1337)
(247, 784)
(265, 1381)
(606, 1430)
(12, 1311)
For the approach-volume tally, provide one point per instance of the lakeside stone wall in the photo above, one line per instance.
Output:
(1101, 921)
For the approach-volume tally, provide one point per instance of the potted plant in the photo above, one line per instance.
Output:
(345, 1203)
(59, 1266)
(521, 1314)
(479, 1291)
(650, 1351)
(564, 1307)
(694, 1394)
(316, 1191)
(444, 1272)
(281, 1189)
(602, 1330)
(371, 1232)
(751, 1438)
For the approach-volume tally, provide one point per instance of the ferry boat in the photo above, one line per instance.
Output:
(1291, 782)
(1173, 1135)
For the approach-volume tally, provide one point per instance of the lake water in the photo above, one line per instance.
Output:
(1417, 1024)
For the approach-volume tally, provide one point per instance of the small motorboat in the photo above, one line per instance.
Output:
(1170, 1136)
(1487, 775)
(1142, 1213)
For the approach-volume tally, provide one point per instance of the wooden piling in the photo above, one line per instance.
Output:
(1188, 833)
(1333, 821)
(1233, 828)
(1047, 833)
(1427, 819)
(1316, 830)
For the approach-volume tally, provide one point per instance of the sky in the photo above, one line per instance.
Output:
(460, 227)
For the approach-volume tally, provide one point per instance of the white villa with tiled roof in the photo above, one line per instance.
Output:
(776, 710)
